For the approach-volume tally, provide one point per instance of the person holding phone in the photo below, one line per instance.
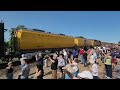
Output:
(54, 65)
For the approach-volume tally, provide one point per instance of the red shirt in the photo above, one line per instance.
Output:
(88, 51)
(113, 60)
(81, 52)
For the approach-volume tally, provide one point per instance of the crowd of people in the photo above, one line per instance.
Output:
(66, 61)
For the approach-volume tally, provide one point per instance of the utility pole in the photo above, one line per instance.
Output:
(1, 39)
(2, 30)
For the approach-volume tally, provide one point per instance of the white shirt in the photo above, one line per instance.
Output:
(91, 59)
(65, 53)
(61, 62)
(103, 48)
(95, 70)
(75, 67)
(99, 48)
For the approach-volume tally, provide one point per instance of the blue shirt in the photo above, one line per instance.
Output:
(74, 53)
(112, 54)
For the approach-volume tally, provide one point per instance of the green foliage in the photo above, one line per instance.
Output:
(7, 44)
(11, 41)
(119, 42)
(80, 37)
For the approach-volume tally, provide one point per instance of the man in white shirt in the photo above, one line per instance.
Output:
(22, 60)
(95, 70)
(65, 55)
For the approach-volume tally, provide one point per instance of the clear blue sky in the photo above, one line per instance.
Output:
(100, 25)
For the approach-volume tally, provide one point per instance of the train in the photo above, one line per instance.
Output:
(29, 40)
(33, 41)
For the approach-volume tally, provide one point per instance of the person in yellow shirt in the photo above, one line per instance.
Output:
(108, 65)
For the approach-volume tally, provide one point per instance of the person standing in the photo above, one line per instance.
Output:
(103, 58)
(22, 60)
(9, 70)
(94, 56)
(25, 70)
(113, 57)
(65, 56)
(74, 65)
(46, 61)
(85, 58)
(117, 69)
(74, 53)
(95, 70)
(39, 59)
(54, 65)
(61, 63)
(81, 55)
(70, 57)
(108, 65)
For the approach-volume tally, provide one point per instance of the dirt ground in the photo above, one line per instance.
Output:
(47, 71)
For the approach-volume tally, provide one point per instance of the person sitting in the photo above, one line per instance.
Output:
(82, 75)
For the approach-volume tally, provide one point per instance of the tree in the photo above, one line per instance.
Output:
(80, 37)
(119, 42)
(17, 28)
(12, 34)
(20, 27)
(7, 44)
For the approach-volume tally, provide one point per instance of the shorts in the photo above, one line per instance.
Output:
(60, 67)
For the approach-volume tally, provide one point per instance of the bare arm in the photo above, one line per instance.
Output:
(51, 60)
(37, 74)
(69, 74)
(72, 64)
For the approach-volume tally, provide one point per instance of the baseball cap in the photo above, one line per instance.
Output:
(40, 54)
(23, 55)
(9, 63)
(85, 74)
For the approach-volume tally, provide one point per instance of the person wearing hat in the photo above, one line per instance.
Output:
(9, 69)
(82, 75)
(117, 69)
(25, 70)
(22, 60)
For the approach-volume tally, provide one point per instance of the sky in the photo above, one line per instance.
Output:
(99, 25)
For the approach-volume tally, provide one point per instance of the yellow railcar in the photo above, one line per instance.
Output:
(87, 42)
(92, 42)
(80, 42)
(33, 40)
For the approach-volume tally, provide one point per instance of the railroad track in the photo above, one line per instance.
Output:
(17, 63)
